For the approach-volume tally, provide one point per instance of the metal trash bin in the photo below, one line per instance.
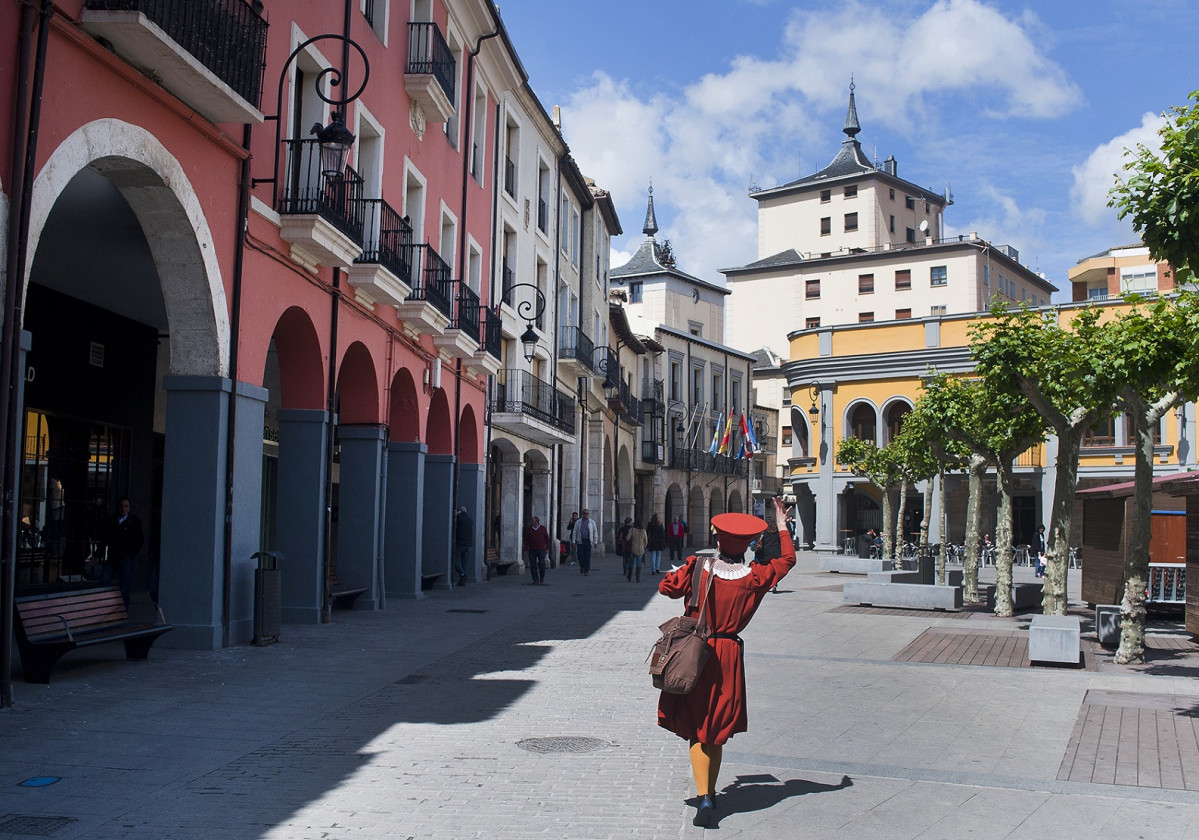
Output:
(268, 598)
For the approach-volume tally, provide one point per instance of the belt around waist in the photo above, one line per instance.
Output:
(732, 636)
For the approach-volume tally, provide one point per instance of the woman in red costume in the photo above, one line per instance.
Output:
(715, 710)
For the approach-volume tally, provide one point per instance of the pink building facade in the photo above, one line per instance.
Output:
(265, 348)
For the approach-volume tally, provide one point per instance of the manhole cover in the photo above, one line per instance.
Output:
(33, 826)
(562, 744)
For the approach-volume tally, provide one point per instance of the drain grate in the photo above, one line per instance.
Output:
(477, 612)
(33, 826)
(562, 744)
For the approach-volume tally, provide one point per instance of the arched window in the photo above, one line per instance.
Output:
(862, 422)
(894, 416)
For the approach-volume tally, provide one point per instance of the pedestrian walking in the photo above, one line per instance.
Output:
(635, 542)
(587, 535)
(1039, 550)
(655, 542)
(537, 543)
(123, 540)
(464, 544)
(674, 537)
(715, 710)
(568, 539)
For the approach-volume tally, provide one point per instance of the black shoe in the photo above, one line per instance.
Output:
(705, 812)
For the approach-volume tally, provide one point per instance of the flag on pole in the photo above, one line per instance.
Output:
(728, 433)
(748, 444)
(716, 435)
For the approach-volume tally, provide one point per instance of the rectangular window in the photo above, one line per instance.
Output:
(1102, 433)
(911, 237)
(811, 289)
(811, 323)
(903, 279)
(892, 193)
(634, 293)
(865, 284)
(851, 221)
(826, 226)
(786, 435)
(676, 375)
(826, 196)
(909, 203)
(786, 396)
(903, 314)
(891, 227)
(865, 317)
(851, 191)
(937, 310)
(938, 275)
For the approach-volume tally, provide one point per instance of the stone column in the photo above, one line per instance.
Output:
(403, 547)
(438, 519)
(359, 510)
(826, 495)
(541, 496)
(300, 512)
(471, 493)
(193, 510)
(247, 508)
(512, 515)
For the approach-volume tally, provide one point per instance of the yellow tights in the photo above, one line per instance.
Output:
(705, 765)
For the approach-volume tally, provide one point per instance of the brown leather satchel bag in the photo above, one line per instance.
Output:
(678, 657)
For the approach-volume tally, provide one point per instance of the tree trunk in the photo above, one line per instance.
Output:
(974, 515)
(886, 520)
(897, 531)
(1136, 562)
(1003, 541)
(1053, 602)
(941, 555)
(924, 522)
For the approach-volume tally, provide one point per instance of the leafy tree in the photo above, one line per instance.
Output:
(933, 454)
(1161, 191)
(1151, 349)
(915, 462)
(864, 458)
(995, 427)
(1065, 375)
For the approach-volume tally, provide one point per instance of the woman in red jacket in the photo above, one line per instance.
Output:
(715, 710)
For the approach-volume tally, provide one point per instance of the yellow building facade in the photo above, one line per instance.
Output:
(860, 380)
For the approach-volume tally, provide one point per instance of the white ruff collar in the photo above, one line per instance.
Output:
(727, 571)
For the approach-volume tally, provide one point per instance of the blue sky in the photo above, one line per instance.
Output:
(1021, 108)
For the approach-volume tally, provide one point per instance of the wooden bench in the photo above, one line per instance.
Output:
(494, 564)
(49, 626)
(342, 596)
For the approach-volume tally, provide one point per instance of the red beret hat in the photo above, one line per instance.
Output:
(735, 531)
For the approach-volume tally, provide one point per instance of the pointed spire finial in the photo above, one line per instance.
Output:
(851, 117)
(651, 221)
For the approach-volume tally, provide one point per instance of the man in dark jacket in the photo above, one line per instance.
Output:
(464, 544)
(123, 539)
(537, 543)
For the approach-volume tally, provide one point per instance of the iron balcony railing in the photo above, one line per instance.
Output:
(388, 239)
(467, 316)
(653, 452)
(509, 177)
(634, 412)
(652, 390)
(226, 36)
(574, 344)
(520, 392)
(699, 460)
(307, 190)
(429, 53)
(431, 280)
(491, 334)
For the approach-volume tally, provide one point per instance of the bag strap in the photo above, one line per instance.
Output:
(701, 624)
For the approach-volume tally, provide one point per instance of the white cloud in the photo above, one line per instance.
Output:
(1095, 176)
(703, 147)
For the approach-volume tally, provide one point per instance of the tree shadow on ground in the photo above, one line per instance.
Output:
(760, 791)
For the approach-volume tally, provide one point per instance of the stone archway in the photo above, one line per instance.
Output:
(117, 235)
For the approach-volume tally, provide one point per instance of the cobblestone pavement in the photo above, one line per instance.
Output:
(504, 710)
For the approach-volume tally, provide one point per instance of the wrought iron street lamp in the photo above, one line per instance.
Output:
(335, 141)
(530, 310)
(814, 393)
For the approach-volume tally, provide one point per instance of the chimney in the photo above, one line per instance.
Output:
(891, 166)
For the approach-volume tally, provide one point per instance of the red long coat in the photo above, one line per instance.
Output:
(715, 710)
